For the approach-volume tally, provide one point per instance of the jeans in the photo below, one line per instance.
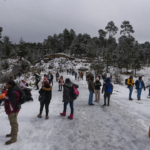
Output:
(139, 93)
(71, 106)
(60, 87)
(91, 97)
(130, 91)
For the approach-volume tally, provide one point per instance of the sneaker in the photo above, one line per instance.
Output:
(130, 99)
(104, 105)
(91, 104)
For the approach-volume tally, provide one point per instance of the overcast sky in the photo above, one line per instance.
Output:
(34, 20)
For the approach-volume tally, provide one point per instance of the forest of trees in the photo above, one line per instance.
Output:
(124, 52)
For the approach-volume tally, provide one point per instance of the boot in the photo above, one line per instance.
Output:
(39, 116)
(70, 117)
(63, 114)
(8, 135)
(130, 99)
(104, 105)
(11, 141)
(46, 117)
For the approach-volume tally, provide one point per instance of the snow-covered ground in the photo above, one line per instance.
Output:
(123, 125)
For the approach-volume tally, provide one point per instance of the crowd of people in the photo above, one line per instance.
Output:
(12, 95)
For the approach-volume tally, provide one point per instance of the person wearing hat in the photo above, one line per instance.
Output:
(12, 109)
(130, 83)
(97, 84)
(139, 86)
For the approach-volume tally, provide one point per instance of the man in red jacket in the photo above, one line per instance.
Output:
(12, 109)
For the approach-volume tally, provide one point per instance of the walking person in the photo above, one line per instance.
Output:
(81, 74)
(91, 90)
(37, 79)
(97, 84)
(139, 86)
(75, 75)
(68, 97)
(57, 76)
(50, 78)
(61, 82)
(130, 83)
(12, 109)
(107, 89)
(45, 98)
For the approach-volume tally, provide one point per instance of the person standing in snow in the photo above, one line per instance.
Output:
(37, 78)
(139, 86)
(130, 83)
(81, 74)
(68, 97)
(57, 76)
(91, 90)
(107, 89)
(97, 84)
(45, 98)
(75, 75)
(45, 79)
(61, 82)
(50, 78)
(12, 109)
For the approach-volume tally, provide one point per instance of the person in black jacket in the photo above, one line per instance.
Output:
(107, 89)
(37, 79)
(50, 78)
(68, 97)
(97, 84)
(45, 98)
(139, 86)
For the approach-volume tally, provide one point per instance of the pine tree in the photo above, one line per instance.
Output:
(22, 49)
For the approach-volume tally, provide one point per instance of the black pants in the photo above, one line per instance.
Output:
(46, 107)
(107, 95)
(37, 82)
(50, 81)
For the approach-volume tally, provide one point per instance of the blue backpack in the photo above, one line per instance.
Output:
(109, 89)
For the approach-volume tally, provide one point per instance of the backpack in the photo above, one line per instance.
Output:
(75, 92)
(126, 80)
(22, 98)
(109, 89)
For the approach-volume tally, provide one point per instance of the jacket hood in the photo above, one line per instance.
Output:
(47, 88)
(107, 80)
(68, 84)
(14, 88)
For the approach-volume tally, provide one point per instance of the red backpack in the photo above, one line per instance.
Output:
(75, 92)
